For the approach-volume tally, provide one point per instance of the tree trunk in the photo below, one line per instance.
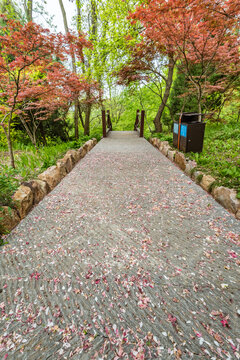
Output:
(79, 18)
(9, 142)
(93, 19)
(41, 128)
(74, 68)
(31, 137)
(80, 114)
(28, 5)
(76, 119)
(10, 150)
(199, 105)
(199, 111)
(157, 120)
(5, 6)
(64, 16)
(87, 119)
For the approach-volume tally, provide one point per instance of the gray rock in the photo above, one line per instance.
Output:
(206, 182)
(171, 154)
(94, 141)
(227, 198)
(9, 218)
(238, 214)
(197, 176)
(82, 152)
(162, 144)
(23, 199)
(180, 160)
(52, 176)
(39, 189)
(151, 141)
(165, 149)
(155, 142)
(88, 145)
(189, 167)
(74, 154)
(68, 162)
(64, 166)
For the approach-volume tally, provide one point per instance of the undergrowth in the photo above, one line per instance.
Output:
(30, 163)
(220, 156)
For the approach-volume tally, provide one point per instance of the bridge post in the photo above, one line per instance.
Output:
(109, 123)
(137, 121)
(142, 123)
(104, 123)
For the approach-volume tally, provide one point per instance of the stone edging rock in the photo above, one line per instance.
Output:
(224, 196)
(32, 192)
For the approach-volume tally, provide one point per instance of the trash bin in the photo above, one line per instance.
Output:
(191, 133)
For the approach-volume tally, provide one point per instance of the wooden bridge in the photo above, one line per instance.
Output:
(107, 123)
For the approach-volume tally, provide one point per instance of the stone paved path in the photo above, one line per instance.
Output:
(126, 259)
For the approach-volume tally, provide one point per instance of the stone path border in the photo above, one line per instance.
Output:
(30, 193)
(224, 196)
(126, 258)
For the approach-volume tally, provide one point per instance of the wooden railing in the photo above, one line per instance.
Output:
(139, 122)
(106, 122)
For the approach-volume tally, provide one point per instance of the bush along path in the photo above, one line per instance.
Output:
(126, 258)
(30, 193)
(223, 195)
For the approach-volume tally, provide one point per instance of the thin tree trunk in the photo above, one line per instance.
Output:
(74, 68)
(87, 120)
(31, 137)
(9, 142)
(5, 5)
(87, 115)
(28, 6)
(199, 105)
(76, 119)
(199, 112)
(30, 9)
(41, 128)
(64, 16)
(10, 150)
(94, 19)
(79, 18)
(157, 120)
(80, 114)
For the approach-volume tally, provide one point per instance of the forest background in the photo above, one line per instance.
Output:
(161, 56)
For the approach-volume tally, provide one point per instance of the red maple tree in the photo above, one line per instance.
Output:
(197, 32)
(32, 76)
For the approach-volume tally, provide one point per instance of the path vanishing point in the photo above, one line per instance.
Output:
(126, 258)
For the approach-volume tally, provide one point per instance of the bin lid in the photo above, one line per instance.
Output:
(189, 117)
(189, 114)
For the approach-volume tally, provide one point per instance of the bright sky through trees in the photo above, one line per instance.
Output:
(53, 9)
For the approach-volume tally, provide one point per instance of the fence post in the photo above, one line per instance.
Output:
(142, 123)
(109, 123)
(137, 121)
(104, 123)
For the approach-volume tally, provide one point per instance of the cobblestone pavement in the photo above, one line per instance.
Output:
(126, 258)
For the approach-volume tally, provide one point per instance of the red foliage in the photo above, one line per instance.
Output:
(29, 75)
(203, 32)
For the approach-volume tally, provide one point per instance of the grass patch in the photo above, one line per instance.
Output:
(30, 163)
(220, 156)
